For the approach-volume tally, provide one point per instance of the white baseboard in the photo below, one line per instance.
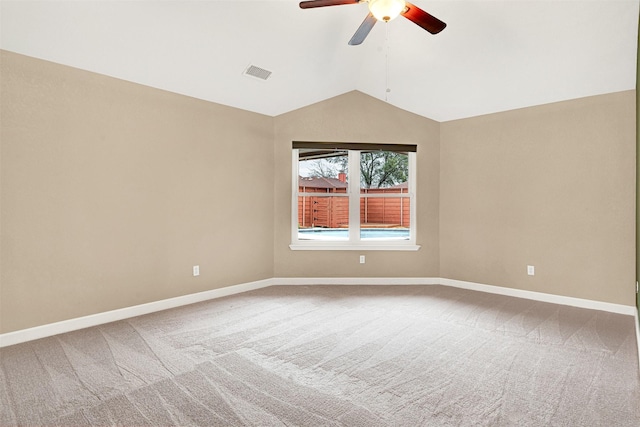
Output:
(56, 328)
(51, 329)
(356, 281)
(628, 310)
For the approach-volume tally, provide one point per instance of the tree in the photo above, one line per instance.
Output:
(383, 169)
(378, 169)
(322, 168)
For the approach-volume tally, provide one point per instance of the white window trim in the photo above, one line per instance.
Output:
(354, 214)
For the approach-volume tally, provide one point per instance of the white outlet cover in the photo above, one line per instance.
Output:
(531, 270)
(196, 270)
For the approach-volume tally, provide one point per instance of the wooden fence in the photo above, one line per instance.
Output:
(333, 211)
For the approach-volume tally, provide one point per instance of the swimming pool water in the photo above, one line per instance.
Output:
(343, 233)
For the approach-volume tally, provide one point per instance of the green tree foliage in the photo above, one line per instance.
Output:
(383, 169)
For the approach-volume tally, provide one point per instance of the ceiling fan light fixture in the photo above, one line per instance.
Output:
(386, 10)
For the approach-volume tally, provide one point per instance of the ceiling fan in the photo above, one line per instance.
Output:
(383, 10)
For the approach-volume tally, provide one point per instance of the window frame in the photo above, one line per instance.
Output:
(354, 242)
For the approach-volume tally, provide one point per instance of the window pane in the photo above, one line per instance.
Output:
(385, 217)
(384, 173)
(329, 167)
(383, 169)
(323, 217)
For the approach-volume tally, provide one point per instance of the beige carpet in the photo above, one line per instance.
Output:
(334, 356)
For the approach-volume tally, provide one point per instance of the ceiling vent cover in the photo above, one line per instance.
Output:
(257, 72)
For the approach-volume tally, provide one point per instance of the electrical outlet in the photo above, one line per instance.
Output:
(531, 270)
(196, 270)
(361, 259)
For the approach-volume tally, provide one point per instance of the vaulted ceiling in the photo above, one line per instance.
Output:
(493, 56)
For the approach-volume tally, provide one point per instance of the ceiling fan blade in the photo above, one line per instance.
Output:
(423, 19)
(308, 4)
(363, 30)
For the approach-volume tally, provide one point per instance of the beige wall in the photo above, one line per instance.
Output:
(356, 117)
(638, 171)
(552, 186)
(112, 191)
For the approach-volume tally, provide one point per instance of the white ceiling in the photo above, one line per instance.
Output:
(493, 56)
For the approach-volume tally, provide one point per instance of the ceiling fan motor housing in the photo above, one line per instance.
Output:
(386, 10)
(383, 10)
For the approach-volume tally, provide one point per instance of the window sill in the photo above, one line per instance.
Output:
(367, 247)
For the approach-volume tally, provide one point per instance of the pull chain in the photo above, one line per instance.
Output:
(386, 65)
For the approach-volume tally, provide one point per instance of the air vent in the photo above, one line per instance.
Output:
(257, 72)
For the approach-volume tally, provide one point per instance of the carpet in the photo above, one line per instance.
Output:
(334, 356)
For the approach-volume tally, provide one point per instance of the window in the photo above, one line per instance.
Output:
(353, 196)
